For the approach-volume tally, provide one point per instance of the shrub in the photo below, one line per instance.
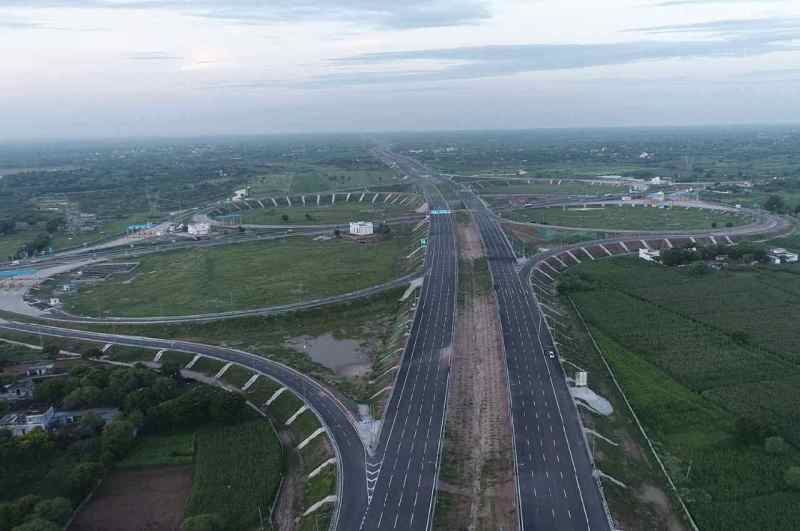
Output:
(775, 445)
(204, 522)
(56, 510)
(37, 524)
(792, 477)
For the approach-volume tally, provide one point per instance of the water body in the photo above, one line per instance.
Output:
(344, 356)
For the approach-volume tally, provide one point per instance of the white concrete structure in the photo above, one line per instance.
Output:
(238, 195)
(649, 255)
(21, 423)
(362, 228)
(779, 255)
(199, 229)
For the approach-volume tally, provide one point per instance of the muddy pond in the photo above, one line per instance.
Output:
(343, 356)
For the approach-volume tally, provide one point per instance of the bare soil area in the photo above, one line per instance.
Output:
(480, 485)
(150, 499)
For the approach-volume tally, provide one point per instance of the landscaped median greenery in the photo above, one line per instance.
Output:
(710, 365)
(631, 218)
(247, 275)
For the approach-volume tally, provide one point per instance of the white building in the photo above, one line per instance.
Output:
(21, 423)
(649, 256)
(779, 255)
(199, 229)
(238, 195)
(362, 228)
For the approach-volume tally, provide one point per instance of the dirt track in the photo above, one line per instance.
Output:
(482, 491)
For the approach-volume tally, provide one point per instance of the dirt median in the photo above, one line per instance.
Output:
(478, 480)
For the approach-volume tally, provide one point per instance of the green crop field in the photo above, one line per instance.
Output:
(237, 472)
(327, 215)
(248, 275)
(161, 450)
(630, 218)
(697, 355)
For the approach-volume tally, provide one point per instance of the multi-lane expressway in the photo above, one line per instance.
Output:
(555, 481)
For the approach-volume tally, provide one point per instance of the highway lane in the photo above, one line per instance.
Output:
(402, 475)
(333, 414)
(555, 474)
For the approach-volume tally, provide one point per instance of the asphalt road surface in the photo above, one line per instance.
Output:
(555, 481)
(402, 475)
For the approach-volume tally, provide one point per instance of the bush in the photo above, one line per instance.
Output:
(204, 522)
(792, 477)
(775, 445)
(56, 510)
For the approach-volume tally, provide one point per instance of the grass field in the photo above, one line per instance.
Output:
(630, 218)
(328, 215)
(238, 471)
(696, 354)
(368, 322)
(497, 186)
(161, 450)
(241, 276)
(302, 177)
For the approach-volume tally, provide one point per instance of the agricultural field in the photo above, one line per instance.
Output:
(237, 472)
(247, 275)
(710, 364)
(630, 218)
(341, 213)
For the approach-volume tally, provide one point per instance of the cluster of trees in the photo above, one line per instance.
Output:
(66, 464)
(778, 205)
(749, 431)
(739, 253)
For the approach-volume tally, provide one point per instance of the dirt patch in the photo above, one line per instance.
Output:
(150, 499)
(662, 504)
(469, 241)
(479, 451)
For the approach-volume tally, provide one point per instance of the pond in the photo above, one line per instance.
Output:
(344, 356)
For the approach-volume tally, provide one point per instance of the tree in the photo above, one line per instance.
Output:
(51, 350)
(749, 431)
(740, 337)
(54, 224)
(38, 524)
(775, 203)
(56, 510)
(337, 233)
(285, 217)
(91, 353)
(171, 369)
(204, 522)
(792, 477)
(775, 445)
(82, 478)
(116, 440)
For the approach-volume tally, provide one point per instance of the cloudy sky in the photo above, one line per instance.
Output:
(97, 68)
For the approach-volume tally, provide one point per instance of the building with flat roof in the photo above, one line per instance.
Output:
(199, 229)
(779, 255)
(362, 228)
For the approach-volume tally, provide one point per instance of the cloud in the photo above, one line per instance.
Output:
(390, 14)
(153, 56)
(733, 27)
(502, 60)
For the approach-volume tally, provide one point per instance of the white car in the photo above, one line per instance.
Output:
(551, 354)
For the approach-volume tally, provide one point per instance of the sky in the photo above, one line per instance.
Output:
(127, 68)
